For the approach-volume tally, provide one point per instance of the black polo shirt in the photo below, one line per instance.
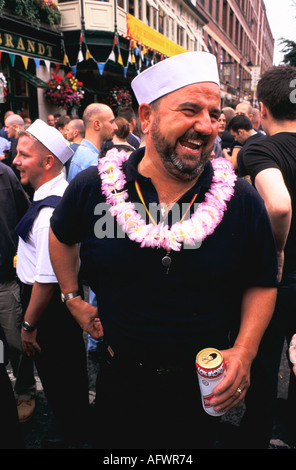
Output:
(197, 302)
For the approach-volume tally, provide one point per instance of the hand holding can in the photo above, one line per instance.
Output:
(210, 367)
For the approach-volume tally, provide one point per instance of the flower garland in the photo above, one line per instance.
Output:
(201, 224)
(64, 91)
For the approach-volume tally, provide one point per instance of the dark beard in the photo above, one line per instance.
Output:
(176, 166)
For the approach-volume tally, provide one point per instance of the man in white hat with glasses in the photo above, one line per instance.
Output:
(197, 260)
(49, 332)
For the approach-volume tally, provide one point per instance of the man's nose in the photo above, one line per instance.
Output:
(203, 123)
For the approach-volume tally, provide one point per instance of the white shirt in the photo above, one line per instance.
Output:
(33, 261)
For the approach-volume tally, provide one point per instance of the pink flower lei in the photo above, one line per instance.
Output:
(201, 224)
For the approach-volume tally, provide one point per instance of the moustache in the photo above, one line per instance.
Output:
(193, 135)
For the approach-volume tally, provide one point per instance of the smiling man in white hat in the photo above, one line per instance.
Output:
(163, 294)
(49, 333)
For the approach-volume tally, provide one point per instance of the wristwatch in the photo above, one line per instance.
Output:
(27, 327)
(69, 296)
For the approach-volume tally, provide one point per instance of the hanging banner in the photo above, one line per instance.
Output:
(255, 76)
(140, 32)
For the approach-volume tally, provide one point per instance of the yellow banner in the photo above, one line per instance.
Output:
(142, 33)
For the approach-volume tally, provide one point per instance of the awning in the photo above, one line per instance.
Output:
(94, 91)
(32, 79)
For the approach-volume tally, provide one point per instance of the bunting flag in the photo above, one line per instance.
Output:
(25, 61)
(101, 66)
(12, 59)
(80, 57)
(47, 65)
(66, 60)
(74, 69)
(37, 63)
(119, 60)
(88, 54)
(0, 55)
(112, 56)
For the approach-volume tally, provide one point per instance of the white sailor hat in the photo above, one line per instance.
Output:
(52, 139)
(174, 73)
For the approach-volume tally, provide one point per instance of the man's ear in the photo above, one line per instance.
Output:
(48, 161)
(97, 124)
(263, 110)
(145, 112)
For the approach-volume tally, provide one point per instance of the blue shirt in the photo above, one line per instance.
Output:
(85, 156)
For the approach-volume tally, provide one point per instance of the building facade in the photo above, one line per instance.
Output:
(238, 33)
(107, 43)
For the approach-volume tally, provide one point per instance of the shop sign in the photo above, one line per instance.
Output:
(23, 45)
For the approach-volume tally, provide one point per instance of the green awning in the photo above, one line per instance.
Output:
(32, 79)
(94, 91)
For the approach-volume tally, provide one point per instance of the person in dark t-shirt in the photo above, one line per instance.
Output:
(271, 163)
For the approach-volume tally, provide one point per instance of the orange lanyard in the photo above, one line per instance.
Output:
(149, 215)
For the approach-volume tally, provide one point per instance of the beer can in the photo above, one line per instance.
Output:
(210, 367)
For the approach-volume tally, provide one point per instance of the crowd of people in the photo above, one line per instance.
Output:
(159, 289)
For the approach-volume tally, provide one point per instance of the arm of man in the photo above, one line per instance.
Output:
(271, 187)
(233, 157)
(40, 298)
(257, 309)
(65, 262)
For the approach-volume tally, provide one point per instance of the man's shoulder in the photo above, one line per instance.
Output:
(86, 177)
(84, 149)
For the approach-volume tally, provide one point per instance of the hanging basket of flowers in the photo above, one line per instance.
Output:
(118, 98)
(34, 11)
(65, 92)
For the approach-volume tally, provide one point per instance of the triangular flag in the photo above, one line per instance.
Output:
(81, 40)
(88, 55)
(144, 50)
(125, 71)
(0, 55)
(12, 59)
(80, 57)
(37, 63)
(47, 65)
(112, 56)
(25, 60)
(66, 60)
(74, 70)
(133, 59)
(115, 40)
(120, 59)
(101, 66)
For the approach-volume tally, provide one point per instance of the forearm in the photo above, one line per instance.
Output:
(256, 312)
(65, 262)
(280, 224)
(40, 298)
